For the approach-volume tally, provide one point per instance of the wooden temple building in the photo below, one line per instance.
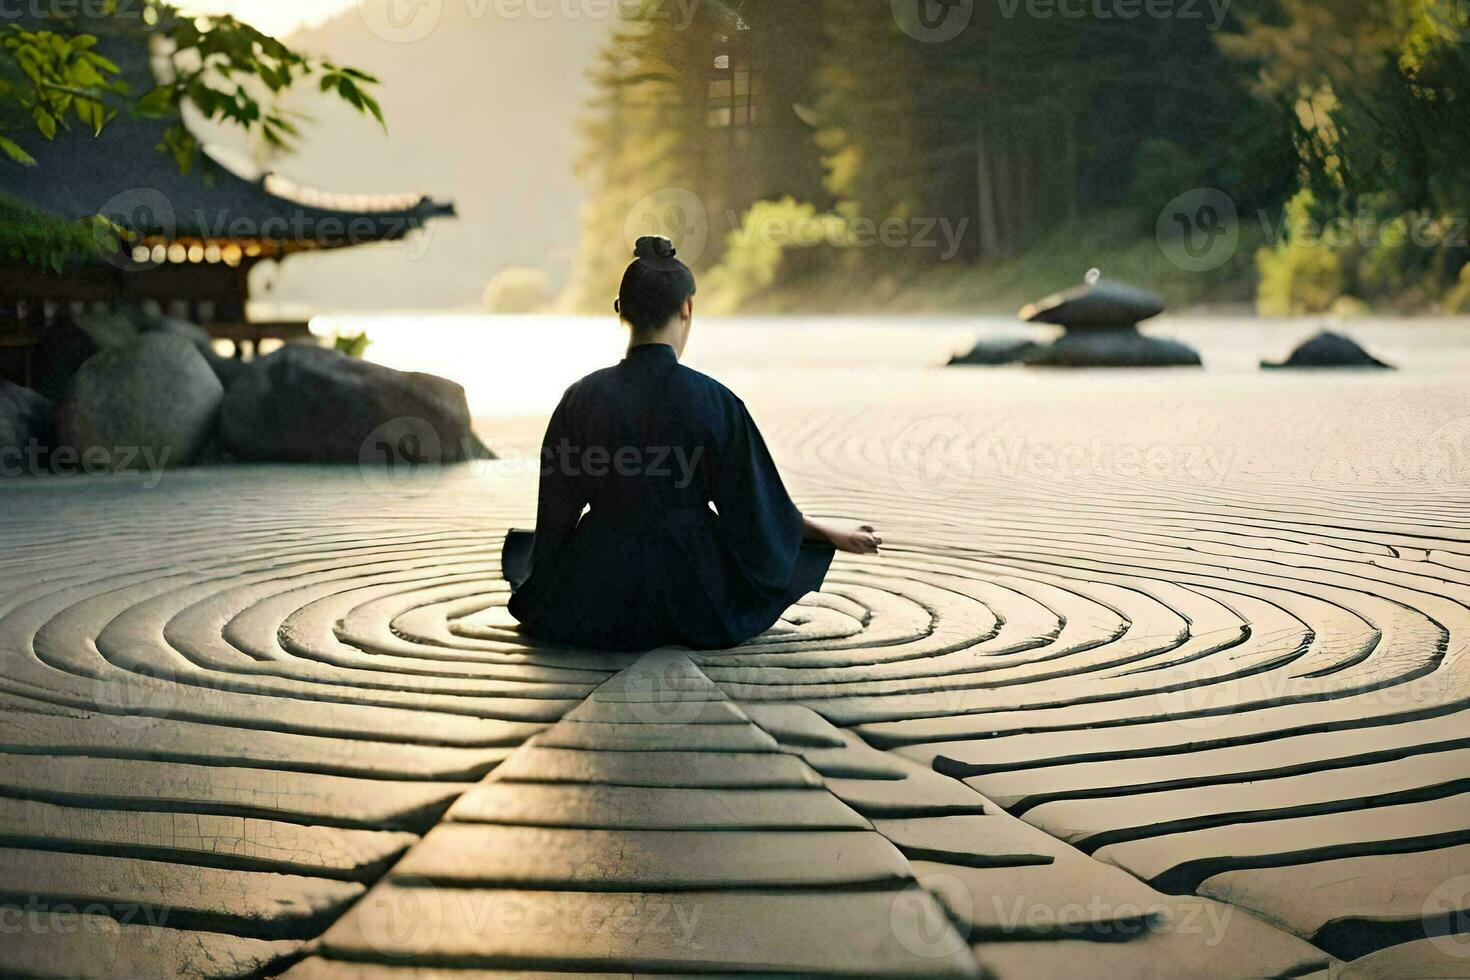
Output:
(196, 235)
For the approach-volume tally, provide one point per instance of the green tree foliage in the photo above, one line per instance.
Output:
(1027, 122)
(869, 127)
(655, 159)
(59, 70)
(55, 73)
(759, 252)
(639, 117)
(1032, 120)
(1299, 275)
(29, 236)
(1379, 95)
(62, 76)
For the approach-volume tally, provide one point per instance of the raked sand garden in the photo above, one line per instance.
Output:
(1159, 675)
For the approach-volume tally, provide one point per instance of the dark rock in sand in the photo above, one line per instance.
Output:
(310, 404)
(1330, 350)
(995, 352)
(1112, 348)
(1105, 305)
(27, 432)
(154, 400)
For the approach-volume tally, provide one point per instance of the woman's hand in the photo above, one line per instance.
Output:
(855, 539)
(861, 540)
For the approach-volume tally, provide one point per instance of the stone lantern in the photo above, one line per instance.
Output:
(1101, 318)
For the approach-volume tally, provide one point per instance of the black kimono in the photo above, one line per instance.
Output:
(647, 447)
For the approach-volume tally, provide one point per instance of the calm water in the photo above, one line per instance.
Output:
(518, 366)
(878, 388)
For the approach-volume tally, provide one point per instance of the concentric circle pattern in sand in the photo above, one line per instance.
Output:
(233, 702)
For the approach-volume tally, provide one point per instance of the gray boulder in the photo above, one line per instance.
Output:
(71, 340)
(227, 369)
(311, 404)
(150, 403)
(995, 352)
(1330, 350)
(1112, 348)
(110, 328)
(26, 430)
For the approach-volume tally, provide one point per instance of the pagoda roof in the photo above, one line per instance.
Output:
(122, 175)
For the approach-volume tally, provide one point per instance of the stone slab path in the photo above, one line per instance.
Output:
(275, 722)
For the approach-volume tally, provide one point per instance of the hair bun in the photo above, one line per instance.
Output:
(654, 247)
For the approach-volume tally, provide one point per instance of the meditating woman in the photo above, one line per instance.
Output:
(662, 520)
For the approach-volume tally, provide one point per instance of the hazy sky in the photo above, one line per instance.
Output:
(277, 17)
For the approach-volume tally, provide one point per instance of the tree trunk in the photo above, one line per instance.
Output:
(1069, 163)
(1025, 187)
(985, 185)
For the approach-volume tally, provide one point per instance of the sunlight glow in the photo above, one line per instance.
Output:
(278, 18)
(517, 366)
